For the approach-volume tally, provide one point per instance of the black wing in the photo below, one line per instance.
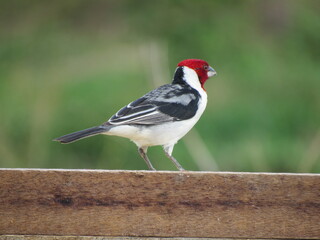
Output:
(164, 104)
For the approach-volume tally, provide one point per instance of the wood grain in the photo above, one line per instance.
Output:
(46, 237)
(159, 204)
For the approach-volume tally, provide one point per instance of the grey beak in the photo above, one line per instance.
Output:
(211, 72)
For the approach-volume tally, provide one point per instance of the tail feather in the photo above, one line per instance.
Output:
(72, 137)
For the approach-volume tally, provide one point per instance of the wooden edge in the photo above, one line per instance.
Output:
(157, 172)
(161, 204)
(43, 237)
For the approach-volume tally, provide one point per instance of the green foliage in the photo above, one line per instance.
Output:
(69, 65)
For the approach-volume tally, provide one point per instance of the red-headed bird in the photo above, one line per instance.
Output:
(160, 117)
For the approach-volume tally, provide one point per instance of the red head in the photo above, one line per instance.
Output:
(202, 68)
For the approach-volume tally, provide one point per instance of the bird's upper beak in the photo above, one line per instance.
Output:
(211, 72)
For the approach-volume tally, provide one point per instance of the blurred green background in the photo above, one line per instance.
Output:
(70, 65)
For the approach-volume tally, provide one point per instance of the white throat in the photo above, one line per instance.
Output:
(191, 77)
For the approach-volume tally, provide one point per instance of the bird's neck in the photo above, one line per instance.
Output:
(184, 75)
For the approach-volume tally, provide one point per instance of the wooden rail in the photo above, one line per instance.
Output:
(159, 204)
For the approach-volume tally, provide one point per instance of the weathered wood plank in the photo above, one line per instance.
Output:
(159, 204)
(44, 237)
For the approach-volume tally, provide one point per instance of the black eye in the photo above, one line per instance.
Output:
(205, 67)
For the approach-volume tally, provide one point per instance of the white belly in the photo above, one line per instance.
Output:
(163, 134)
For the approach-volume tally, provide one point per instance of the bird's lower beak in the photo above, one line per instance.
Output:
(211, 72)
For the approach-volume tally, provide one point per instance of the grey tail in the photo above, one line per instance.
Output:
(72, 137)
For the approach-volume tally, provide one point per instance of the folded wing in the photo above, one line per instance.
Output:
(173, 104)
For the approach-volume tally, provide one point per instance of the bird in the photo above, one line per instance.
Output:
(162, 116)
